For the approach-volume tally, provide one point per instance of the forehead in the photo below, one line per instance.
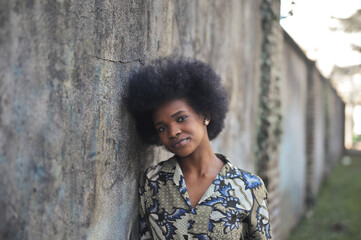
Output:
(166, 110)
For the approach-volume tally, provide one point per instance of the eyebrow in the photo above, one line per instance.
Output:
(177, 113)
(173, 115)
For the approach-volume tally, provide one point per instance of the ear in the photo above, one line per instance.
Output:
(206, 121)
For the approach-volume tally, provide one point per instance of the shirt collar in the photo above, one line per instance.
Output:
(172, 166)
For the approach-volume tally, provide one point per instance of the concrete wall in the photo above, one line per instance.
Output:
(292, 159)
(69, 156)
(335, 127)
(325, 128)
(317, 164)
(313, 134)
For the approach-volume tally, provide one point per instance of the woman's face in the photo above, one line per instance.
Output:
(181, 130)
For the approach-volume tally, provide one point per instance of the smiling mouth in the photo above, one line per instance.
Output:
(180, 143)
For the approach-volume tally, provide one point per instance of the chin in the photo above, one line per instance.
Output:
(183, 154)
(180, 152)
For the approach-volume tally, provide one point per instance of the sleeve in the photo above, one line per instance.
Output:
(258, 220)
(144, 228)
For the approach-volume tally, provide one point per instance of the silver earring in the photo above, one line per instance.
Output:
(206, 122)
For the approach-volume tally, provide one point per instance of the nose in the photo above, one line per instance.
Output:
(174, 131)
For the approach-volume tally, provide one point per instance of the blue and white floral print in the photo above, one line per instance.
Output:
(251, 181)
(154, 186)
(267, 231)
(233, 173)
(182, 185)
(231, 220)
(200, 237)
(233, 207)
(221, 185)
(231, 202)
(166, 219)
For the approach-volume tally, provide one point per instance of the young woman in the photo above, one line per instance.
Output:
(196, 194)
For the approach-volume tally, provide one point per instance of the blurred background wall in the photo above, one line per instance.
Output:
(313, 134)
(69, 154)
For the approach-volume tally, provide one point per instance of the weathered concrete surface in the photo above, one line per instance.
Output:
(316, 132)
(69, 161)
(327, 144)
(335, 127)
(292, 160)
(69, 156)
(241, 74)
(313, 134)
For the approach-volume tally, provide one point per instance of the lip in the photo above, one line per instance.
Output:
(180, 143)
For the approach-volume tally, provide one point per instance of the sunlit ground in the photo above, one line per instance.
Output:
(338, 210)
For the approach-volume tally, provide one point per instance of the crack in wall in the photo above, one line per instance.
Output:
(118, 61)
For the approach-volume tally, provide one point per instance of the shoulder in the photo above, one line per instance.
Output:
(250, 181)
(152, 173)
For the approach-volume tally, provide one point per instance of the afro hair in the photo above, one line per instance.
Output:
(172, 78)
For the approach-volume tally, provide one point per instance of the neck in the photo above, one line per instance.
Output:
(201, 162)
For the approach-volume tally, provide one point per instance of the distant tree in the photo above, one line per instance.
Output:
(353, 23)
(351, 70)
(350, 25)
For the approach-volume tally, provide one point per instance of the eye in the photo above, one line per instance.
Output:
(160, 129)
(182, 118)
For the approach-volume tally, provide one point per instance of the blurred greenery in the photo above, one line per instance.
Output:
(356, 138)
(338, 210)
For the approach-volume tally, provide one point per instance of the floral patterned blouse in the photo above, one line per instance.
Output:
(233, 207)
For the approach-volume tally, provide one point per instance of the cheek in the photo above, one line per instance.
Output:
(163, 139)
(197, 130)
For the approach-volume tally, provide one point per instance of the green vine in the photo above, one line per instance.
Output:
(269, 121)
